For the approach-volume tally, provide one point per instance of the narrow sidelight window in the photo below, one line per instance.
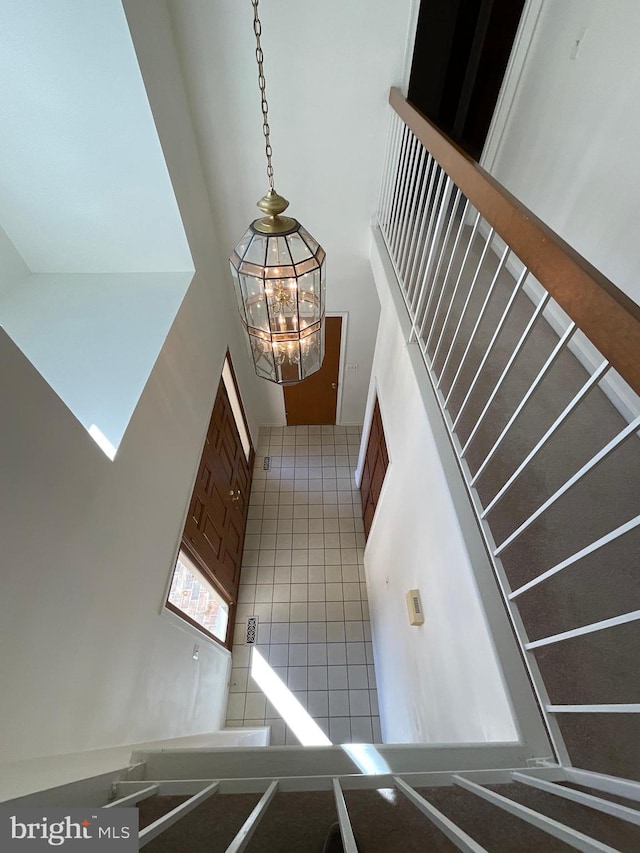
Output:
(193, 595)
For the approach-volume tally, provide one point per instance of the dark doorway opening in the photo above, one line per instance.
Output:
(460, 57)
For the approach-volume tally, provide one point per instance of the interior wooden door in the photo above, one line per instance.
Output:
(315, 399)
(220, 502)
(375, 466)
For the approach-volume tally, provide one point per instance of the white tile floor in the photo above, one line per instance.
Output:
(303, 577)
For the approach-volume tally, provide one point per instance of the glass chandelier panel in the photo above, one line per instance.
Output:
(279, 277)
(280, 286)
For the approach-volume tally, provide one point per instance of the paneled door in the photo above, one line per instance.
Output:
(218, 511)
(315, 399)
(375, 466)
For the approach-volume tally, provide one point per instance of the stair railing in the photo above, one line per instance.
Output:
(445, 221)
(551, 780)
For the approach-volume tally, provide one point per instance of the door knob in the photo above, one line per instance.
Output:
(235, 496)
(334, 385)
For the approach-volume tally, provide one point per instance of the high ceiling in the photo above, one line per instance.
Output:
(328, 67)
(86, 189)
(94, 260)
(84, 185)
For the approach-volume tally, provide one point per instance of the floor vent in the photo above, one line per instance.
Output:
(252, 630)
(266, 465)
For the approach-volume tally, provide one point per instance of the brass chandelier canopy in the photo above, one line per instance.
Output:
(278, 272)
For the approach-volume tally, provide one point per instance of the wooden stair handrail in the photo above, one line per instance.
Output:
(607, 316)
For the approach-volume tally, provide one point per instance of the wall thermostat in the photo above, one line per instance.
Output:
(414, 606)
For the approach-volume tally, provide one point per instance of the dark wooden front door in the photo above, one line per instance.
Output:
(219, 505)
(315, 400)
(375, 466)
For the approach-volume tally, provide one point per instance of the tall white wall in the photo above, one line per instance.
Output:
(95, 338)
(329, 67)
(87, 661)
(440, 682)
(87, 207)
(154, 41)
(13, 270)
(84, 185)
(569, 149)
(87, 548)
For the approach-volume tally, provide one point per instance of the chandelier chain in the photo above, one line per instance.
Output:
(262, 83)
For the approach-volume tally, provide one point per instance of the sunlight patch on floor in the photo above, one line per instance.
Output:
(296, 717)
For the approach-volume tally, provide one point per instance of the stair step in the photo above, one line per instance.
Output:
(596, 668)
(583, 593)
(490, 826)
(623, 801)
(386, 822)
(155, 807)
(610, 830)
(211, 826)
(605, 743)
(383, 821)
(294, 822)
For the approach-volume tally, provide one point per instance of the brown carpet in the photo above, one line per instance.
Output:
(386, 822)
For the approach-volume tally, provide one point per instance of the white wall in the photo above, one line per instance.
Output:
(95, 338)
(13, 270)
(88, 207)
(21, 778)
(569, 147)
(86, 660)
(84, 185)
(440, 682)
(329, 68)
(154, 43)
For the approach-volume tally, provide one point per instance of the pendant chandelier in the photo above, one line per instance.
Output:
(278, 273)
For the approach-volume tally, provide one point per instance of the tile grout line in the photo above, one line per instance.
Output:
(309, 518)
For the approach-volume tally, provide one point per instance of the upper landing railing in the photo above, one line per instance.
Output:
(534, 358)
(606, 315)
